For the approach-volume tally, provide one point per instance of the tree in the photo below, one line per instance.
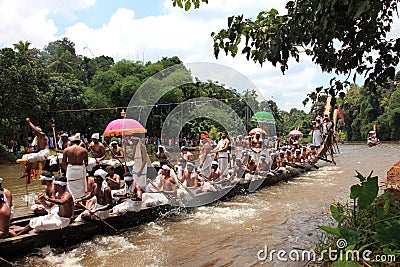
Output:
(346, 37)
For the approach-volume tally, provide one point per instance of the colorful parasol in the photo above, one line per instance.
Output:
(255, 130)
(263, 116)
(123, 127)
(295, 133)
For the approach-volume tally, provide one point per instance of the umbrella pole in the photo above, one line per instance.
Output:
(123, 138)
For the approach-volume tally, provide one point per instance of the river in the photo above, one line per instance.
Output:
(232, 233)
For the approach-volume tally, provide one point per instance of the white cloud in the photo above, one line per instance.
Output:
(180, 33)
(28, 19)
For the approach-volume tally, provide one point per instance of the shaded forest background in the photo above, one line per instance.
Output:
(81, 94)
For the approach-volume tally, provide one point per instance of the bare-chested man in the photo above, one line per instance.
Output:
(222, 152)
(216, 174)
(256, 146)
(5, 215)
(112, 178)
(98, 149)
(63, 143)
(75, 159)
(8, 197)
(190, 176)
(167, 182)
(99, 199)
(41, 206)
(42, 152)
(116, 151)
(60, 219)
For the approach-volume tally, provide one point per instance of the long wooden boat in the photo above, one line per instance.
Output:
(15, 247)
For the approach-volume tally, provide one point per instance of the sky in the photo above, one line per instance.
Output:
(149, 30)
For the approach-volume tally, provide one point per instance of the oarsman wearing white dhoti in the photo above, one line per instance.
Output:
(57, 220)
(75, 159)
(133, 195)
(139, 171)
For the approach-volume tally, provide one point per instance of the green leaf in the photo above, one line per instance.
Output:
(188, 4)
(355, 191)
(337, 213)
(351, 235)
(360, 176)
(369, 192)
(330, 230)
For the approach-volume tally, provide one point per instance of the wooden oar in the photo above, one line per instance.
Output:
(187, 190)
(55, 146)
(94, 214)
(6, 261)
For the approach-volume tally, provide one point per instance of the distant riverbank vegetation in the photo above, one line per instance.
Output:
(81, 94)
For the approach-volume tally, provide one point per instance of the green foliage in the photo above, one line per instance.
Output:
(372, 222)
(366, 192)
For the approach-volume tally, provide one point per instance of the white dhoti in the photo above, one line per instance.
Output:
(153, 199)
(206, 168)
(49, 222)
(39, 156)
(223, 163)
(126, 206)
(76, 180)
(98, 215)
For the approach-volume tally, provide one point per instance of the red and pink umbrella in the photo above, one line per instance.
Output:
(295, 133)
(123, 127)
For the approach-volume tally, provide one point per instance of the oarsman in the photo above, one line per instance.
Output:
(167, 182)
(41, 206)
(112, 178)
(256, 146)
(74, 161)
(63, 143)
(57, 220)
(263, 165)
(98, 149)
(116, 151)
(8, 197)
(42, 153)
(316, 134)
(298, 157)
(222, 153)
(216, 173)
(132, 192)
(185, 153)
(5, 215)
(139, 155)
(251, 169)
(205, 155)
(238, 169)
(281, 162)
(162, 153)
(190, 176)
(98, 200)
(181, 168)
(289, 156)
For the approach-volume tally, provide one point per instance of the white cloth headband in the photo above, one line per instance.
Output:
(60, 183)
(46, 178)
(128, 178)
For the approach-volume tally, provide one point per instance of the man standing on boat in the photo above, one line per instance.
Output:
(256, 146)
(205, 155)
(75, 159)
(42, 152)
(222, 153)
(58, 220)
(139, 155)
